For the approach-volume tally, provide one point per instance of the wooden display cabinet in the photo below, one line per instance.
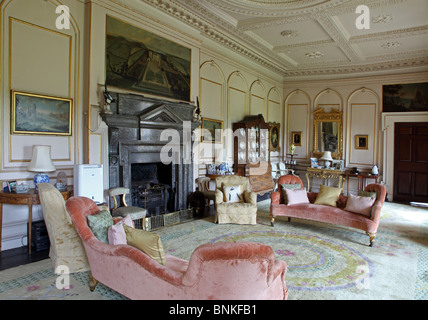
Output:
(251, 153)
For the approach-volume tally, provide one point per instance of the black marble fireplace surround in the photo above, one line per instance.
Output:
(135, 127)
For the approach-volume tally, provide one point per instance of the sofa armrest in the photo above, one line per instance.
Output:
(376, 209)
(279, 270)
(275, 198)
(219, 197)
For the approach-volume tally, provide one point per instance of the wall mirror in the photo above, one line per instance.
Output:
(328, 133)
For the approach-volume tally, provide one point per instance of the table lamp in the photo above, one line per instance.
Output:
(41, 162)
(327, 159)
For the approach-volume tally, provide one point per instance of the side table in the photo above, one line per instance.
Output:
(361, 179)
(30, 198)
(325, 174)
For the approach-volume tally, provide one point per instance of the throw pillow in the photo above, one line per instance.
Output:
(99, 224)
(363, 193)
(233, 194)
(291, 186)
(116, 233)
(148, 242)
(296, 196)
(360, 204)
(328, 196)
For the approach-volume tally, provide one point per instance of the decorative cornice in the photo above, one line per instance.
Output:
(236, 38)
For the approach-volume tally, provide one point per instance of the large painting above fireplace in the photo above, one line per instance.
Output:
(142, 61)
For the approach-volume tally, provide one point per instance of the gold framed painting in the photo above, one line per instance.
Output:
(362, 142)
(138, 60)
(40, 114)
(296, 138)
(212, 130)
(274, 135)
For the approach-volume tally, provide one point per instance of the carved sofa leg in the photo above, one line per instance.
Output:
(92, 282)
(272, 220)
(372, 237)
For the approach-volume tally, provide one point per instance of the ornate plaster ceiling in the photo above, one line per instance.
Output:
(313, 39)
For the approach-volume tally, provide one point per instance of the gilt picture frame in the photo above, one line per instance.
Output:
(274, 136)
(296, 138)
(361, 142)
(212, 130)
(40, 114)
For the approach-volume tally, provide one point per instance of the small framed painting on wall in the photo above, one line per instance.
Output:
(296, 138)
(274, 133)
(362, 142)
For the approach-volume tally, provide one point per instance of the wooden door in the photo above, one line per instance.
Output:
(411, 162)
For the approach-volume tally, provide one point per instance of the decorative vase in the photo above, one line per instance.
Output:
(375, 170)
(40, 178)
(292, 148)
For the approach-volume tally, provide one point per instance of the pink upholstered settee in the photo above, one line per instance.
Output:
(221, 270)
(335, 215)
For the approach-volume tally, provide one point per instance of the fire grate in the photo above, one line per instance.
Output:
(165, 220)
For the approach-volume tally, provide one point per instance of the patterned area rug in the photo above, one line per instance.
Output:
(324, 261)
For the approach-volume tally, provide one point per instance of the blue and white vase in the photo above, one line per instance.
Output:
(40, 178)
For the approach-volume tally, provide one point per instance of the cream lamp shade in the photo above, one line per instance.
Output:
(41, 162)
(326, 156)
(327, 159)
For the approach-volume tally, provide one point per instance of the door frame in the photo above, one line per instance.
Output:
(388, 125)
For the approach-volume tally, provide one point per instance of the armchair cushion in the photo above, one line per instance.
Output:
(148, 242)
(233, 193)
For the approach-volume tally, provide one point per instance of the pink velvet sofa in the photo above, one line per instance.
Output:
(323, 213)
(230, 271)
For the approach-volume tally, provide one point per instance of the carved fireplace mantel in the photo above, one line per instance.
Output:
(135, 127)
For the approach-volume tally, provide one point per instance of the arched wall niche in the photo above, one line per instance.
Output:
(297, 119)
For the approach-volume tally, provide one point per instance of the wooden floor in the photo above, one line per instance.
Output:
(19, 256)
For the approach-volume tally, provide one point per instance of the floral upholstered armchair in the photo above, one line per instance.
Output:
(234, 200)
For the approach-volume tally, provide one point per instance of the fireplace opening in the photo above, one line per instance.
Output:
(152, 187)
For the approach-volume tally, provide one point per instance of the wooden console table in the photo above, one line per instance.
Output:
(30, 198)
(325, 174)
(361, 179)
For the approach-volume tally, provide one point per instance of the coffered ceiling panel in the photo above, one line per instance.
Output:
(280, 36)
(383, 49)
(384, 19)
(315, 56)
(314, 38)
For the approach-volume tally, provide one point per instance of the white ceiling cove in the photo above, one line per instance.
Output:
(315, 39)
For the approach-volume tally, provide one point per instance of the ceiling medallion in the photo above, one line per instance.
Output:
(390, 45)
(289, 33)
(315, 54)
(382, 18)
